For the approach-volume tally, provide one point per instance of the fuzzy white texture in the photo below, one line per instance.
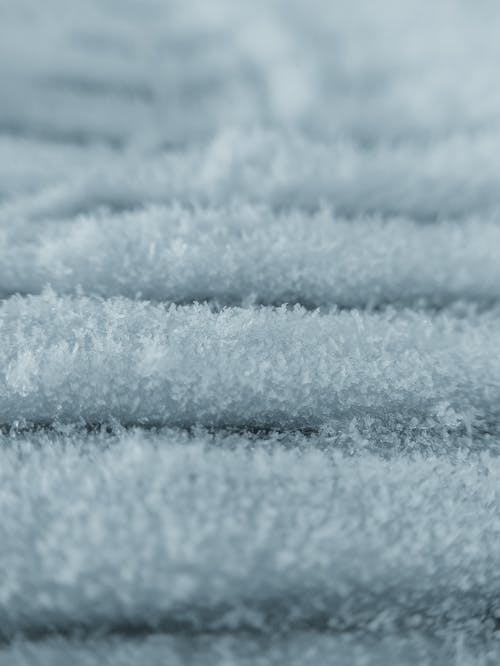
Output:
(69, 359)
(246, 253)
(452, 176)
(383, 107)
(382, 69)
(214, 533)
(171, 171)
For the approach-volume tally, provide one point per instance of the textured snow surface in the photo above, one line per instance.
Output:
(74, 359)
(218, 532)
(244, 254)
(249, 332)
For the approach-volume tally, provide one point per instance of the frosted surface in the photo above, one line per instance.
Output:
(249, 332)
(247, 253)
(222, 533)
(74, 359)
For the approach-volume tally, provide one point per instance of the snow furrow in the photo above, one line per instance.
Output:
(249, 332)
(453, 177)
(70, 359)
(171, 532)
(245, 254)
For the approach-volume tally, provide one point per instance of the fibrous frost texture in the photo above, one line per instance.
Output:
(249, 332)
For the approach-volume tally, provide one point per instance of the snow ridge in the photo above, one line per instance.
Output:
(245, 253)
(249, 332)
(73, 359)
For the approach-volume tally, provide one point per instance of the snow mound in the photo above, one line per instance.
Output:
(69, 359)
(170, 531)
(244, 254)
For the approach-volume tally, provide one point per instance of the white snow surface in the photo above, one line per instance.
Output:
(219, 531)
(250, 254)
(249, 332)
(74, 359)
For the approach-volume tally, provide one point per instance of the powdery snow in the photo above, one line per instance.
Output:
(249, 254)
(225, 532)
(73, 359)
(249, 332)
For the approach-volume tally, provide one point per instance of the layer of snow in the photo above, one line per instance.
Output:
(245, 254)
(155, 70)
(209, 532)
(453, 176)
(343, 504)
(72, 359)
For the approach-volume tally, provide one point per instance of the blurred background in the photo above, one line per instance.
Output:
(153, 75)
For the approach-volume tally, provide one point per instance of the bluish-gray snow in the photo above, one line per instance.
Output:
(249, 332)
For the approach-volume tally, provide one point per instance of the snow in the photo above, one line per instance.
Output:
(249, 332)
(453, 176)
(218, 532)
(299, 648)
(72, 359)
(250, 254)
